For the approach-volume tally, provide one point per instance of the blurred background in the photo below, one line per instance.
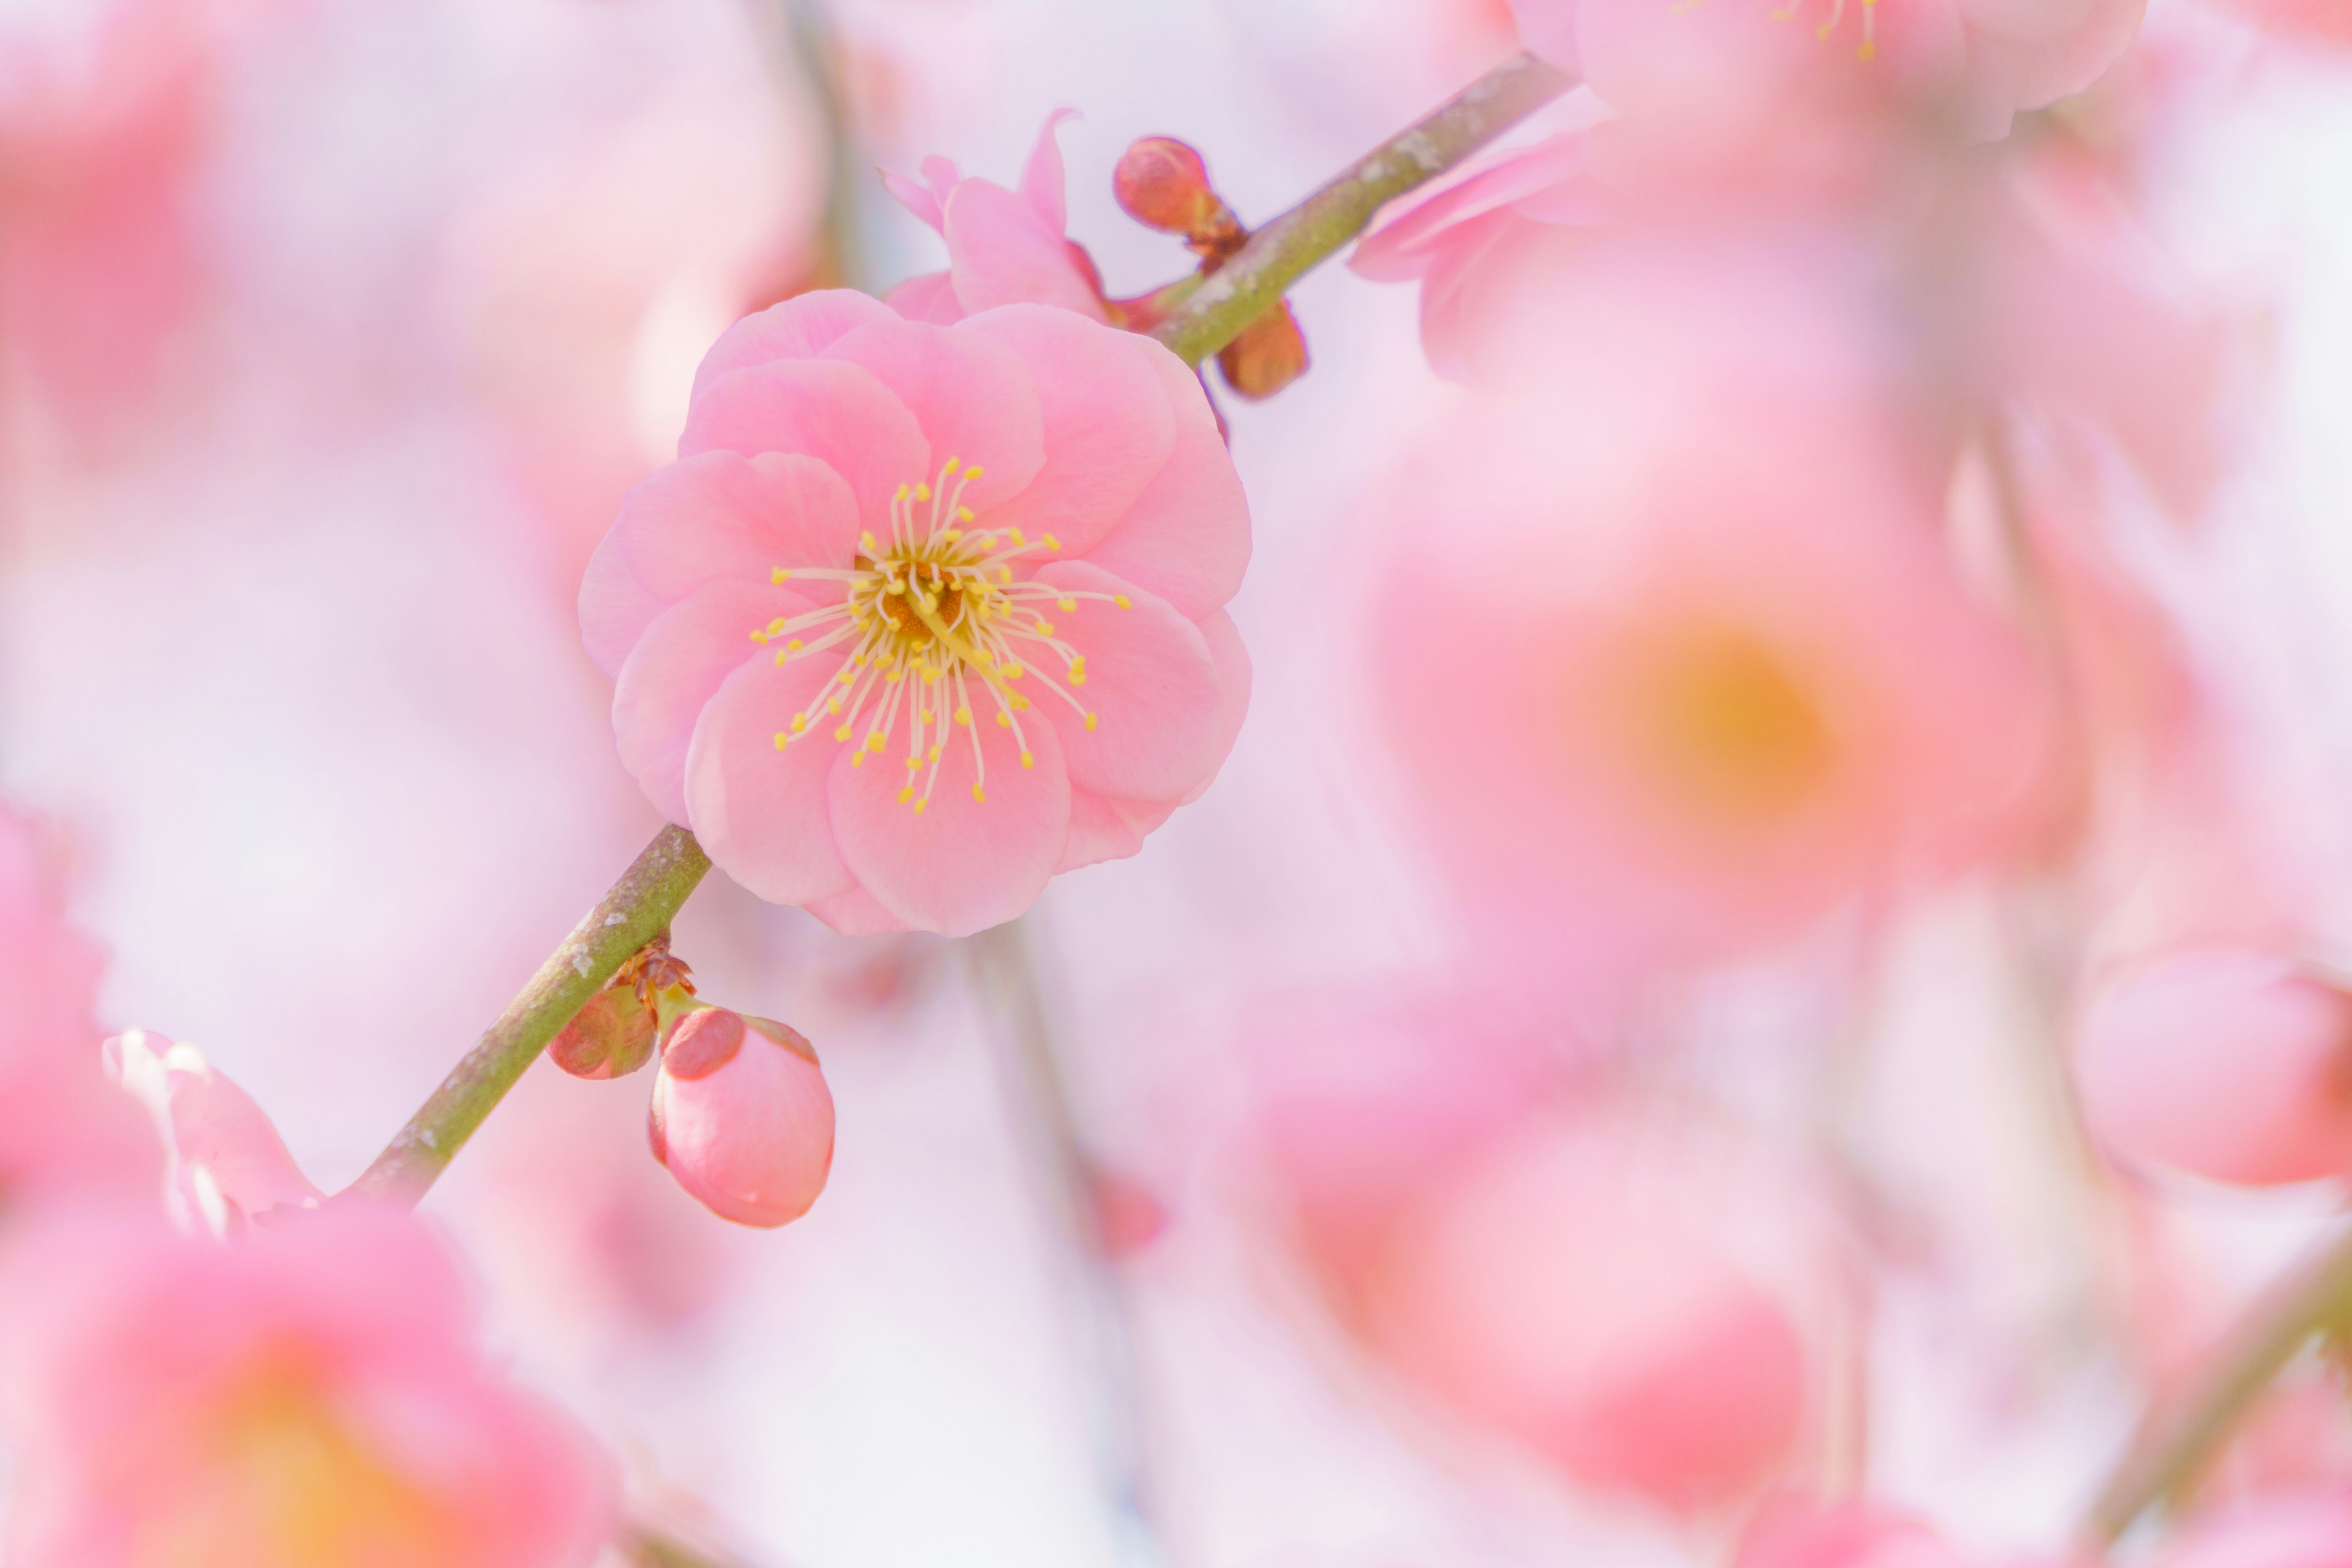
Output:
(332, 333)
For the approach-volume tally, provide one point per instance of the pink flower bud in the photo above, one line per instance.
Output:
(2228, 1063)
(742, 1117)
(1162, 183)
(612, 1037)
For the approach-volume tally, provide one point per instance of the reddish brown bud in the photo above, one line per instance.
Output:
(612, 1037)
(1163, 183)
(1270, 354)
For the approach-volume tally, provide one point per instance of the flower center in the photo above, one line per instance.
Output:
(936, 621)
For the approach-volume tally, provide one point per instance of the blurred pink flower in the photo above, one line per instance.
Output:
(2229, 1063)
(1794, 1530)
(1586, 1284)
(742, 1117)
(2290, 1531)
(301, 1398)
(227, 1164)
(1676, 707)
(1733, 63)
(855, 543)
(2303, 21)
(66, 1126)
(1004, 247)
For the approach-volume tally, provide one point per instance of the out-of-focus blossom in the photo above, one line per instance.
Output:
(1608, 1282)
(2025, 284)
(2291, 1531)
(1674, 706)
(1004, 247)
(226, 1161)
(298, 1399)
(65, 1125)
(1798, 1532)
(103, 126)
(2306, 21)
(1732, 64)
(2227, 1063)
(1580, 1285)
(742, 1117)
(924, 614)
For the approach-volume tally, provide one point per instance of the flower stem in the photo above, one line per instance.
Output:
(639, 908)
(2174, 1444)
(1246, 287)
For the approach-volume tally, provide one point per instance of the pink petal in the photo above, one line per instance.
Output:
(962, 865)
(759, 809)
(223, 1146)
(929, 297)
(1552, 175)
(1233, 682)
(1108, 427)
(943, 175)
(916, 198)
(721, 515)
(1547, 28)
(972, 397)
(1150, 683)
(615, 608)
(1042, 182)
(800, 328)
(1187, 537)
(676, 668)
(831, 410)
(1099, 832)
(1002, 253)
(858, 913)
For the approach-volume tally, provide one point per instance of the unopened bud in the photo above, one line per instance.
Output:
(1270, 354)
(612, 1037)
(742, 1117)
(1162, 183)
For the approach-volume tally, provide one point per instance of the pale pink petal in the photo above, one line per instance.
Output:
(1108, 426)
(1233, 682)
(972, 397)
(916, 198)
(1097, 832)
(1002, 253)
(856, 913)
(800, 328)
(1552, 177)
(722, 515)
(960, 865)
(615, 608)
(228, 1161)
(943, 175)
(1547, 28)
(1187, 537)
(760, 809)
(927, 297)
(1042, 181)
(834, 411)
(1150, 685)
(678, 667)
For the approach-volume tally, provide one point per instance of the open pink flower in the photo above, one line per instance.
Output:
(226, 1161)
(306, 1397)
(923, 614)
(2226, 1062)
(1004, 247)
(1674, 660)
(1731, 63)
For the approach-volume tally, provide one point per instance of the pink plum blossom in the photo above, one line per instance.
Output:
(1734, 63)
(2229, 1063)
(66, 1126)
(1580, 1285)
(742, 1117)
(924, 614)
(2308, 1531)
(226, 1161)
(1674, 658)
(305, 1398)
(1004, 247)
(1795, 1530)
